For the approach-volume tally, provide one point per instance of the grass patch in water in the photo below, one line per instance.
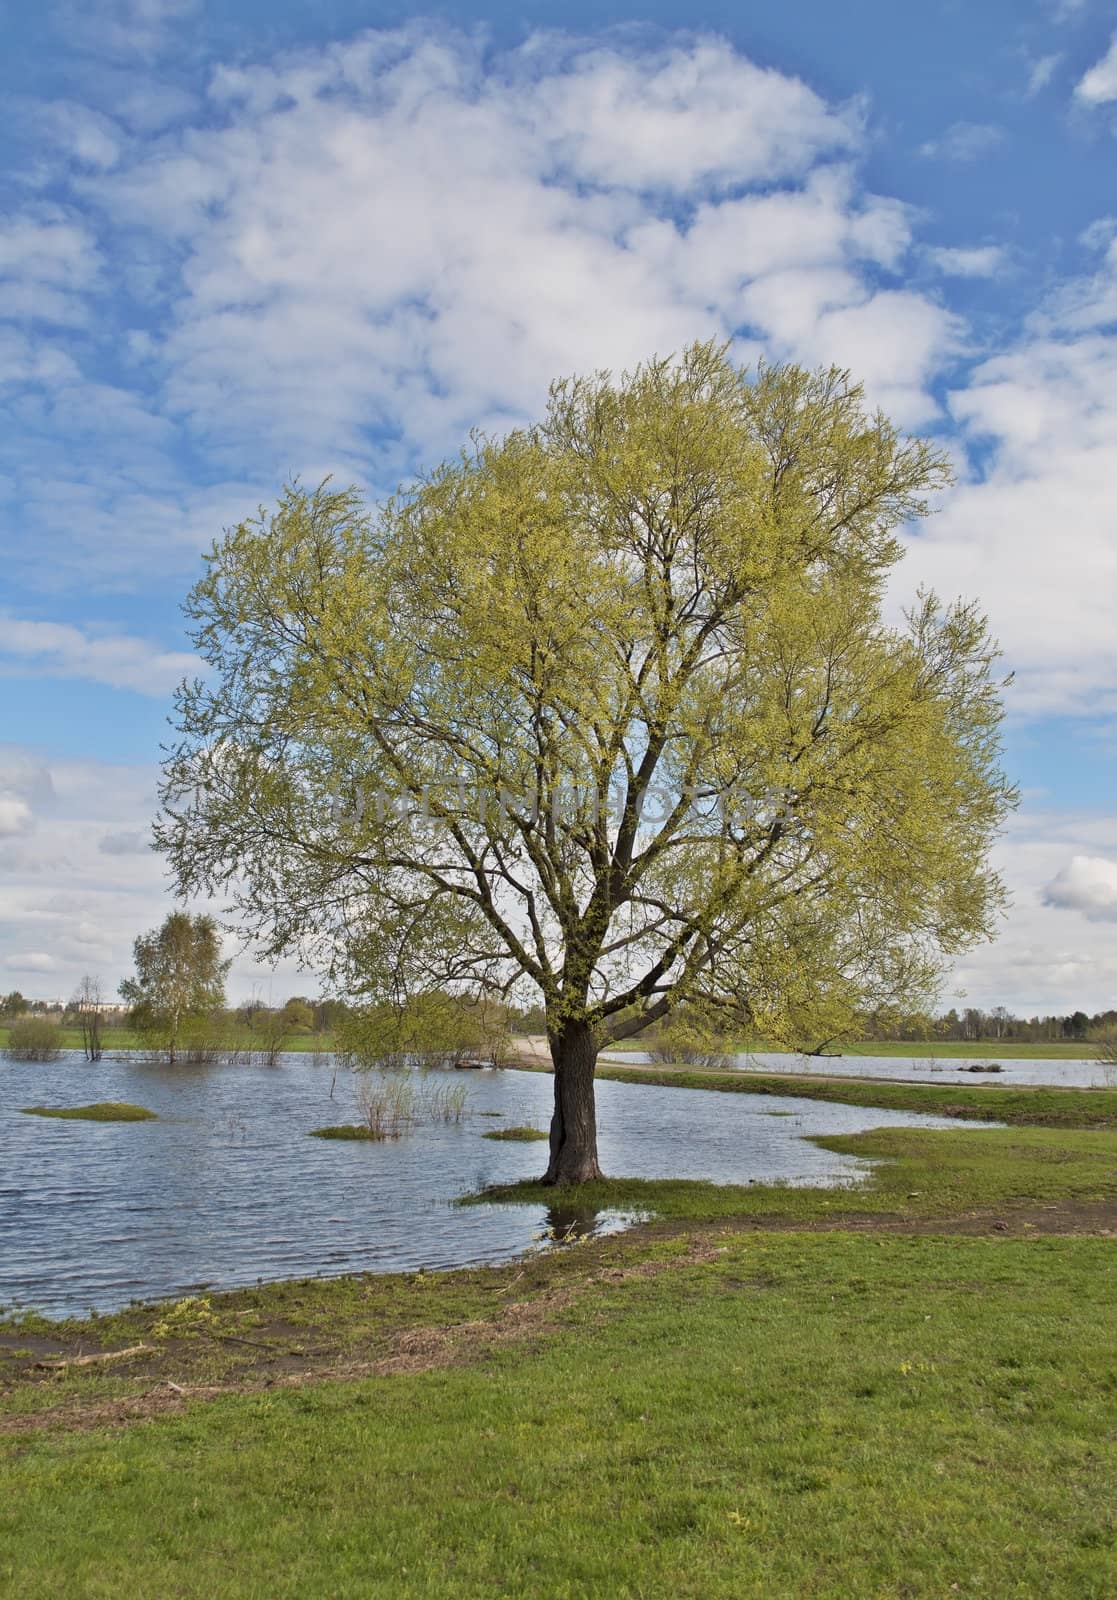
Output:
(521, 1135)
(103, 1111)
(347, 1130)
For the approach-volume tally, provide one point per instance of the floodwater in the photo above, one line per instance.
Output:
(226, 1189)
(921, 1069)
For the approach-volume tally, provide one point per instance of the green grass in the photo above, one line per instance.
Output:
(116, 1039)
(345, 1130)
(921, 1173)
(523, 1135)
(1062, 1108)
(974, 1049)
(103, 1111)
(833, 1416)
(705, 1409)
(919, 1049)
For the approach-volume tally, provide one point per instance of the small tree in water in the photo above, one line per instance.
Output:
(606, 710)
(88, 1005)
(180, 977)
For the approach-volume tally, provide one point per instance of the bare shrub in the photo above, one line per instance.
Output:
(691, 1038)
(689, 1056)
(269, 1030)
(1104, 1041)
(390, 1103)
(88, 1007)
(386, 1106)
(443, 1102)
(207, 1041)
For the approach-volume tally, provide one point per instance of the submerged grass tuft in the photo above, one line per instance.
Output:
(103, 1111)
(522, 1135)
(347, 1130)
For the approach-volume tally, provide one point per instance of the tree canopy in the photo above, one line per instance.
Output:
(606, 714)
(179, 975)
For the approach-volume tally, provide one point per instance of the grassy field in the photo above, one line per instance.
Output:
(770, 1416)
(117, 1039)
(920, 1049)
(905, 1390)
(973, 1049)
(1029, 1106)
(121, 1038)
(923, 1174)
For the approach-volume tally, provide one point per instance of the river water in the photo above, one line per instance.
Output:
(226, 1188)
(919, 1069)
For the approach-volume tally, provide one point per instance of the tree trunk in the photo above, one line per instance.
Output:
(574, 1122)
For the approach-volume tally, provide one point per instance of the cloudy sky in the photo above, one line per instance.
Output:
(246, 239)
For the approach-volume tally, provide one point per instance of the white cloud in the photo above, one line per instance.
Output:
(122, 28)
(1045, 958)
(31, 961)
(697, 114)
(1041, 72)
(1031, 529)
(75, 906)
(26, 789)
(1087, 884)
(982, 261)
(383, 243)
(48, 263)
(1099, 85)
(15, 814)
(397, 236)
(59, 650)
(86, 136)
(965, 141)
(125, 843)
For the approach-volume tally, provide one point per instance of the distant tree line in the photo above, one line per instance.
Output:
(170, 1004)
(999, 1024)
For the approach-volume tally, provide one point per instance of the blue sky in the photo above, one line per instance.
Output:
(248, 240)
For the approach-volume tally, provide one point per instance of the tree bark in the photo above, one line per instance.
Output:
(574, 1122)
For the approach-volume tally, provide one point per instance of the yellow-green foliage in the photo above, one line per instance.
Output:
(629, 671)
(186, 1319)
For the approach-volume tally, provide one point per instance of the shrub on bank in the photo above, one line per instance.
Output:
(34, 1039)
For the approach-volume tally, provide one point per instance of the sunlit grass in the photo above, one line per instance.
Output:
(845, 1417)
(103, 1111)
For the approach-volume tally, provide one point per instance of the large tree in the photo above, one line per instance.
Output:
(606, 710)
(180, 976)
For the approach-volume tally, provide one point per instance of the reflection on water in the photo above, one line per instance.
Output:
(566, 1225)
(226, 1188)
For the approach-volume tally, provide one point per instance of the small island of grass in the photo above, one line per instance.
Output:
(346, 1130)
(522, 1134)
(103, 1111)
